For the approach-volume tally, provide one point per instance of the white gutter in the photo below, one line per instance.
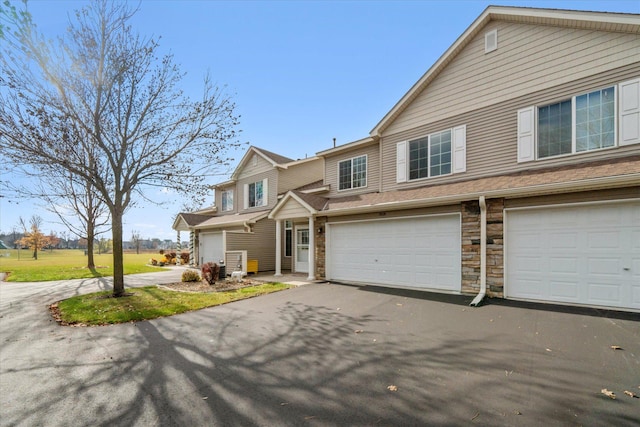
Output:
(483, 253)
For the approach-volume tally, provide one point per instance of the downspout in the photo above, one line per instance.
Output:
(483, 253)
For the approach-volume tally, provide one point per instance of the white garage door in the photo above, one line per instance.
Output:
(211, 247)
(586, 254)
(421, 252)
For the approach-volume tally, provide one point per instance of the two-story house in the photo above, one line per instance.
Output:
(510, 169)
(237, 229)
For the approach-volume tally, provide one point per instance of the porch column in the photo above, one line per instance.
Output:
(178, 249)
(312, 251)
(278, 247)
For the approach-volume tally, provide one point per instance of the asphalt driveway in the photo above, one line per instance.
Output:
(317, 355)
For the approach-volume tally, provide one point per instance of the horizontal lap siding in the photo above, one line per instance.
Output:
(299, 175)
(491, 134)
(373, 171)
(529, 58)
(260, 245)
(292, 209)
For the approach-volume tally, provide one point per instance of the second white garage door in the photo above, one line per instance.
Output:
(584, 254)
(211, 247)
(418, 252)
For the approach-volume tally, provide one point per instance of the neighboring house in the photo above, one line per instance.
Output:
(237, 229)
(511, 168)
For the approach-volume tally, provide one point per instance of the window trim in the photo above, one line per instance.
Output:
(366, 172)
(626, 118)
(574, 138)
(265, 194)
(222, 198)
(429, 176)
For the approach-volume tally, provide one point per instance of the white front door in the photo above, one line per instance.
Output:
(302, 249)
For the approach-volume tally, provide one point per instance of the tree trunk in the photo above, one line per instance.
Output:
(90, 238)
(118, 261)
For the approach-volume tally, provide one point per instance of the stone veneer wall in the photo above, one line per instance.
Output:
(471, 247)
(320, 239)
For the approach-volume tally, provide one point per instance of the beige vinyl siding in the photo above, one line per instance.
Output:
(529, 58)
(250, 169)
(582, 197)
(260, 244)
(373, 170)
(298, 175)
(272, 194)
(492, 134)
(292, 209)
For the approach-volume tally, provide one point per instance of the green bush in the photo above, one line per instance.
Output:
(190, 276)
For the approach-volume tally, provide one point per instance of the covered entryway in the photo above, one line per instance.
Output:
(211, 248)
(586, 254)
(417, 252)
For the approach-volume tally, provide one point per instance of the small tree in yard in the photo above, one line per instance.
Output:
(33, 238)
(103, 105)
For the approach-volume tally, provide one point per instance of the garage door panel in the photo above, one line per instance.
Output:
(410, 252)
(582, 254)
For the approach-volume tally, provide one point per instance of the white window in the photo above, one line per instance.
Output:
(227, 200)
(352, 173)
(585, 122)
(255, 194)
(582, 123)
(437, 154)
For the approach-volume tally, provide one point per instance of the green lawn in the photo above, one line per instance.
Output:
(63, 264)
(147, 303)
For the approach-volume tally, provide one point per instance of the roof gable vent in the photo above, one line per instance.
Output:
(491, 41)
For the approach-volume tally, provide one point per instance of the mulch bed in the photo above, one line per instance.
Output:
(221, 286)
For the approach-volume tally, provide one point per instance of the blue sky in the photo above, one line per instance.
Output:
(301, 72)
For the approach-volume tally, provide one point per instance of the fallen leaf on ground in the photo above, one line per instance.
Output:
(358, 331)
(475, 416)
(392, 388)
(517, 412)
(616, 347)
(549, 349)
(284, 403)
(631, 394)
(399, 305)
(205, 397)
(608, 393)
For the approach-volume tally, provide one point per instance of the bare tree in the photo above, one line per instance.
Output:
(103, 104)
(78, 206)
(136, 240)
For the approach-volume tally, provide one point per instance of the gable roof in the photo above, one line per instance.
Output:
(595, 21)
(271, 158)
(184, 221)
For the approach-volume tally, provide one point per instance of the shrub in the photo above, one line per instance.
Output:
(190, 276)
(210, 271)
(185, 257)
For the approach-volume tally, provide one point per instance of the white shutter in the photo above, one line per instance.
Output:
(460, 149)
(265, 192)
(401, 162)
(246, 196)
(629, 112)
(526, 134)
